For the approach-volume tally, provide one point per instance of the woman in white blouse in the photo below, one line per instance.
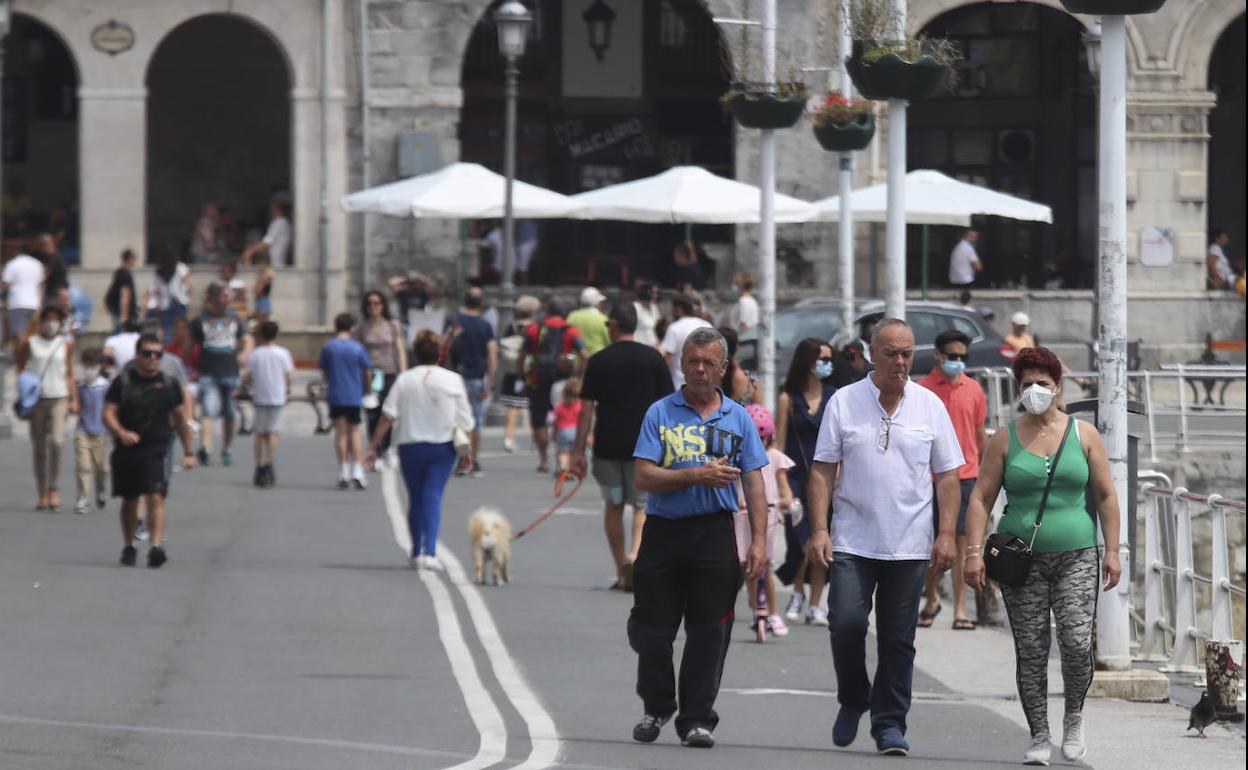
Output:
(48, 353)
(423, 409)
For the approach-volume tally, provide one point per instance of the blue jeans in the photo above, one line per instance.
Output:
(476, 400)
(426, 469)
(216, 395)
(897, 587)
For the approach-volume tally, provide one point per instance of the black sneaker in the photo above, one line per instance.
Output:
(257, 478)
(699, 738)
(156, 557)
(128, 556)
(203, 457)
(647, 730)
(270, 478)
(344, 484)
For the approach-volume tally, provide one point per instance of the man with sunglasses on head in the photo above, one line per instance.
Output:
(881, 441)
(968, 409)
(141, 409)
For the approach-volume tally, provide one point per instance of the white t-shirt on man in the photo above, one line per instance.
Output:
(883, 500)
(674, 341)
(278, 238)
(269, 365)
(744, 314)
(1221, 264)
(23, 274)
(961, 269)
(122, 345)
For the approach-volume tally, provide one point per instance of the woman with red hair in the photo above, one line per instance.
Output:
(1064, 570)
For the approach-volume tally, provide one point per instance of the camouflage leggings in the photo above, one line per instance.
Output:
(1066, 584)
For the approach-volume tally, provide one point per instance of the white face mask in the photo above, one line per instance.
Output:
(1037, 399)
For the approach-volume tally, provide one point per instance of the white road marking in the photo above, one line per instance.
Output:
(481, 707)
(379, 748)
(543, 738)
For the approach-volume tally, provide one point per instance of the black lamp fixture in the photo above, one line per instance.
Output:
(598, 19)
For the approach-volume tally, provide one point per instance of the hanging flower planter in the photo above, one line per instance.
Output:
(846, 137)
(1112, 7)
(879, 70)
(757, 108)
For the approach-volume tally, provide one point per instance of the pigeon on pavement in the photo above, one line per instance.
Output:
(1202, 714)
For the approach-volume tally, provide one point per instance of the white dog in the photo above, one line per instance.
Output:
(490, 536)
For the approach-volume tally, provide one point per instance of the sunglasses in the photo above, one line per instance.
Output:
(886, 428)
(954, 356)
(150, 353)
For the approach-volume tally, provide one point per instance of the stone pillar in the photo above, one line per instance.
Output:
(112, 171)
(1167, 148)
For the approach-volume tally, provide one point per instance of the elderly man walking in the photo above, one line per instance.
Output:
(694, 447)
(880, 443)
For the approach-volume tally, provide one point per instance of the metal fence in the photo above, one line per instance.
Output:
(1169, 627)
(1190, 409)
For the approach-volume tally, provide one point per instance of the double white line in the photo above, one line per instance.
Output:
(544, 742)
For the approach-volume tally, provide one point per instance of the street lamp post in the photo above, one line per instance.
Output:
(6, 427)
(512, 20)
(895, 226)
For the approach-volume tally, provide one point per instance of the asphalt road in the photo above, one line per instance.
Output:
(287, 631)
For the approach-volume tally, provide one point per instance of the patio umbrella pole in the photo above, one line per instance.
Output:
(767, 224)
(925, 261)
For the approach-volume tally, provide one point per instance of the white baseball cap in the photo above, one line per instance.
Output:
(1020, 319)
(590, 297)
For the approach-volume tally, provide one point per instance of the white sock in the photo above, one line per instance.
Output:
(357, 471)
(344, 471)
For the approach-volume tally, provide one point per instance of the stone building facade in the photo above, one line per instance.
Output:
(429, 102)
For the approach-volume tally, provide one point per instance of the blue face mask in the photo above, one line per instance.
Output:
(822, 370)
(953, 368)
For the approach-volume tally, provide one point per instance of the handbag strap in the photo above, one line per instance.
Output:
(1048, 484)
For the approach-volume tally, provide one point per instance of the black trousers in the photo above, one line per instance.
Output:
(687, 569)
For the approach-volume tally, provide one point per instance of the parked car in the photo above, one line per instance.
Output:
(821, 318)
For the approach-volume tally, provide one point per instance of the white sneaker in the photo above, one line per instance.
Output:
(140, 534)
(1038, 752)
(509, 445)
(1073, 747)
(358, 478)
(793, 612)
(434, 564)
(816, 616)
(776, 625)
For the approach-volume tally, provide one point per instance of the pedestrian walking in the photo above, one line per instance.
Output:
(511, 393)
(427, 404)
(90, 435)
(345, 365)
(21, 282)
(1046, 448)
(881, 441)
(224, 347)
(472, 351)
(803, 399)
(590, 321)
(567, 416)
(142, 409)
(648, 313)
(120, 299)
(382, 337)
(268, 374)
(685, 319)
(552, 351)
(968, 410)
(964, 263)
(48, 353)
(620, 384)
(55, 271)
(694, 448)
(744, 313)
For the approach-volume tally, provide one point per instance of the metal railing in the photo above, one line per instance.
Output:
(1169, 629)
(1180, 418)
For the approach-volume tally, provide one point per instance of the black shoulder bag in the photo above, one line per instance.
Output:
(1007, 559)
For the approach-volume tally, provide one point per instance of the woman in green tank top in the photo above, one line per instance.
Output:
(1063, 578)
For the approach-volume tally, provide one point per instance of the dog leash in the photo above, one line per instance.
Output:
(563, 475)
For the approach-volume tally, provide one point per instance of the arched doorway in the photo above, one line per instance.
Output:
(40, 111)
(1226, 138)
(660, 109)
(1021, 118)
(218, 130)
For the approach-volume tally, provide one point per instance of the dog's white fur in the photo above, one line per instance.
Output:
(489, 534)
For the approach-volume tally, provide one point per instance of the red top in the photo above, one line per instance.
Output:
(968, 409)
(567, 414)
(572, 341)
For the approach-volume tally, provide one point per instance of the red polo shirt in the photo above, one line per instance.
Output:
(968, 408)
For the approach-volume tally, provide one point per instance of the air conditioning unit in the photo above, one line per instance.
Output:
(1016, 145)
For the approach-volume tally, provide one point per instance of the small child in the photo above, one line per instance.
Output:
(269, 369)
(567, 414)
(779, 501)
(91, 437)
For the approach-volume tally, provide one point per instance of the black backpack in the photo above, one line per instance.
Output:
(550, 363)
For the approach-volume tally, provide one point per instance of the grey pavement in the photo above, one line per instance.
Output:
(287, 631)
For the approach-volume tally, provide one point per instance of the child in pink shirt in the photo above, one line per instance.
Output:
(567, 414)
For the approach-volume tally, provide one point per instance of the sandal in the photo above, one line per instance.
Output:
(963, 624)
(927, 618)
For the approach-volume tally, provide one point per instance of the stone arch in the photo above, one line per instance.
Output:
(219, 129)
(279, 45)
(1198, 35)
(51, 26)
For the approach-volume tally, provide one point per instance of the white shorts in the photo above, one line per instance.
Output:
(267, 419)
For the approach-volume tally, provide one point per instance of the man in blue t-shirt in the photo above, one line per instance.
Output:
(473, 352)
(694, 447)
(344, 365)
